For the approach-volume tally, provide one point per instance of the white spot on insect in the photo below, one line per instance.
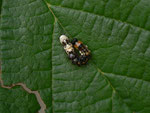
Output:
(68, 48)
(62, 38)
(78, 44)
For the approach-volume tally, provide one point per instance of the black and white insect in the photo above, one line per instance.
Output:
(78, 59)
(68, 47)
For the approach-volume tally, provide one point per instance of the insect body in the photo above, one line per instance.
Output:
(68, 47)
(83, 50)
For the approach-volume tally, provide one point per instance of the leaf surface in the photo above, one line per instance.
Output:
(17, 100)
(116, 79)
(26, 37)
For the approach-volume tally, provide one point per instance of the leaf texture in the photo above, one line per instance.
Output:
(26, 37)
(17, 100)
(116, 79)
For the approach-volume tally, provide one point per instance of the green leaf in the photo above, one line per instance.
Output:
(26, 37)
(116, 79)
(17, 100)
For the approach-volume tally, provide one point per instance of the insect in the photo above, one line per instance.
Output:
(83, 50)
(69, 47)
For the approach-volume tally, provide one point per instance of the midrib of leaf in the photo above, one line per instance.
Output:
(98, 69)
(52, 103)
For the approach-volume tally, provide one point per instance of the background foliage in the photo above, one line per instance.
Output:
(116, 79)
